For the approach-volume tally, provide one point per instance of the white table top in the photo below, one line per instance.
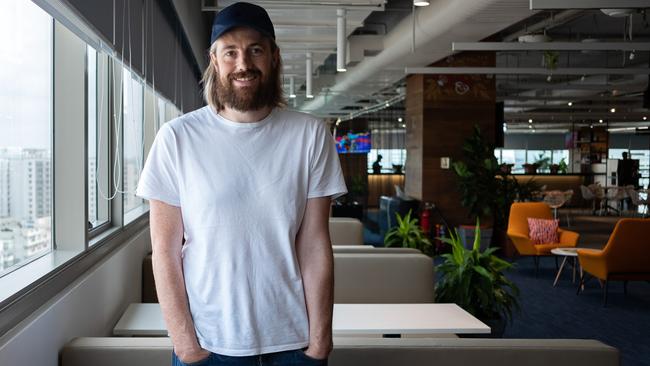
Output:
(569, 252)
(147, 320)
(404, 319)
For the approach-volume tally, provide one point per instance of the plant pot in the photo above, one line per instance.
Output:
(555, 168)
(506, 168)
(530, 168)
(466, 233)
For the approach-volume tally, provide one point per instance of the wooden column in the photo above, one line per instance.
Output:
(441, 112)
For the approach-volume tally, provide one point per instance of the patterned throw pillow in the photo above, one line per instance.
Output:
(542, 231)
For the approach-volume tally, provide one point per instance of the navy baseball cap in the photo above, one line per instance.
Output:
(242, 15)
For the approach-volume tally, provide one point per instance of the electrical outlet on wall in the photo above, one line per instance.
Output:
(444, 162)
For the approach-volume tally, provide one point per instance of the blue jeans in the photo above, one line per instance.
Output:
(288, 358)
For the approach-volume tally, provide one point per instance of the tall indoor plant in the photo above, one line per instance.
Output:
(487, 191)
(474, 279)
(477, 180)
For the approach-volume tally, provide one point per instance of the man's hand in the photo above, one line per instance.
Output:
(192, 355)
(319, 352)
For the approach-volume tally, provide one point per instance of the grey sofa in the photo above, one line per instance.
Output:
(345, 231)
(393, 275)
(371, 352)
(383, 278)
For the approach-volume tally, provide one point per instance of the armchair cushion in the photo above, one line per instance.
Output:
(542, 231)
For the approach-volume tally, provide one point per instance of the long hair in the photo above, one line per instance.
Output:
(211, 79)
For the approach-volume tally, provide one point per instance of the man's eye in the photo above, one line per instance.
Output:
(230, 54)
(256, 51)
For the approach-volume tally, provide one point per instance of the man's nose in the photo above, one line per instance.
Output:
(244, 61)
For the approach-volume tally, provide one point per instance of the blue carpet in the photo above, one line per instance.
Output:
(548, 312)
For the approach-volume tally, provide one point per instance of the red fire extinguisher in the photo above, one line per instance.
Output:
(425, 219)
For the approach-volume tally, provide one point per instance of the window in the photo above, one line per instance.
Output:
(25, 141)
(133, 99)
(644, 162)
(541, 157)
(98, 139)
(519, 157)
(160, 113)
(390, 157)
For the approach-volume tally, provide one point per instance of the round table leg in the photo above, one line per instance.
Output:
(559, 271)
(575, 263)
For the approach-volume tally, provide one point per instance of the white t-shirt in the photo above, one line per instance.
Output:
(242, 189)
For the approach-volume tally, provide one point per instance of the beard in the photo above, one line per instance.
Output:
(251, 98)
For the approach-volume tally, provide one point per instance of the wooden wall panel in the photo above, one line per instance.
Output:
(442, 111)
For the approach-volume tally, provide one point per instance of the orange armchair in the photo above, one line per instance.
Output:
(624, 257)
(518, 230)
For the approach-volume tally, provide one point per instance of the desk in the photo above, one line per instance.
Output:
(147, 320)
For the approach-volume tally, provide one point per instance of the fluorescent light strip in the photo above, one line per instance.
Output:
(550, 46)
(588, 4)
(524, 71)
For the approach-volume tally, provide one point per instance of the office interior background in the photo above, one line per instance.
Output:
(85, 85)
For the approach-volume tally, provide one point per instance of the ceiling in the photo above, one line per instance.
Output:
(385, 37)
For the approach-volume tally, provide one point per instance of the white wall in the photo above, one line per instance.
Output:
(88, 307)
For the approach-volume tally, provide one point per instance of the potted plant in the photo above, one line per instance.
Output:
(474, 279)
(478, 183)
(506, 168)
(530, 168)
(407, 234)
(562, 166)
(543, 163)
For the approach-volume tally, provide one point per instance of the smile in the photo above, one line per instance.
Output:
(249, 78)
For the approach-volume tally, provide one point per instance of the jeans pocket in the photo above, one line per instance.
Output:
(203, 362)
(312, 361)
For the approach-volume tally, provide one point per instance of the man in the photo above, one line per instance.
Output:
(627, 171)
(376, 166)
(248, 185)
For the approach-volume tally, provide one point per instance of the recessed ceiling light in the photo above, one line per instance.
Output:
(591, 126)
(600, 121)
(387, 104)
(570, 104)
(644, 118)
(404, 125)
(530, 121)
(533, 131)
(613, 110)
(420, 3)
(399, 119)
(530, 126)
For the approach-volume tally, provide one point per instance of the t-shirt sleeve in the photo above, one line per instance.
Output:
(325, 175)
(158, 180)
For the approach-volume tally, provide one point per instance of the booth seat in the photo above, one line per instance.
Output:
(137, 351)
(345, 231)
(382, 277)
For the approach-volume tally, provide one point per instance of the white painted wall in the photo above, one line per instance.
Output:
(88, 307)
